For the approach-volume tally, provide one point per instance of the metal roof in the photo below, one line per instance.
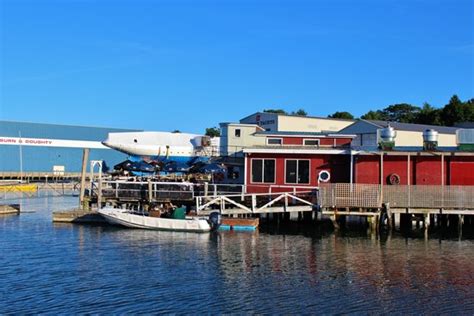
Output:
(293, 150)
(316, 134)
(56, 131)
(301, 116)
(413, 127)
(358, 151)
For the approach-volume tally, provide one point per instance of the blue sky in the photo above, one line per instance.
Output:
(165, 65)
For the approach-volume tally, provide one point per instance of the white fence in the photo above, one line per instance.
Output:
(399, 196)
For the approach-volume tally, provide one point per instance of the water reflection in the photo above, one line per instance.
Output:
(57, 268)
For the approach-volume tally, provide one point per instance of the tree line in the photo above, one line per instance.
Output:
(455, 111)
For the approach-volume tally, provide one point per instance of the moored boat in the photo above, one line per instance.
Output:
(133, 219)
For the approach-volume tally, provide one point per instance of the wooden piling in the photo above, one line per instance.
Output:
(85, 158)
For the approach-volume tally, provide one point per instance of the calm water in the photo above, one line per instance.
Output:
(50, 268)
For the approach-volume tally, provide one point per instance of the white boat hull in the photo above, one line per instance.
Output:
(124, 218)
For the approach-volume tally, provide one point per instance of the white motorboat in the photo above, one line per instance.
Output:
(133, 219)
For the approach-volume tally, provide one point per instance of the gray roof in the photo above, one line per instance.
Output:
(414, 127)
(465, 125)
(285, 133)
(302, 116)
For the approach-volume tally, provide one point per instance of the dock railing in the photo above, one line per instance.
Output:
(337, 195)
(159, 191)
(153, 190)
(255, 203)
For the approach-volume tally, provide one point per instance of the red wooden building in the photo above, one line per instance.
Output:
(292, 160)
(296, 160)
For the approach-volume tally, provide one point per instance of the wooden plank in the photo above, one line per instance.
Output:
(250, 222)
(350, 213)
(431, 211)
(78, 216)
(10, 209)
(279, 209)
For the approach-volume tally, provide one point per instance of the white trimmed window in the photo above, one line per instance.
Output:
(297, 171)
(274, 141)
(263, 170)
(311, 142)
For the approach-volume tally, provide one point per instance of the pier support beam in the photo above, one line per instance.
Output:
(460, 224)
(333, 218)
(85, 158)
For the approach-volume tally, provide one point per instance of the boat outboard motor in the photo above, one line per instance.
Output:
(215, 220)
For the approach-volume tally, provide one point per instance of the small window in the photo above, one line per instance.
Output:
(237, 132)
(297, 171)
(311, 142)
(274, 141)
(291, 170)
(257, 170)
(263, 170)
(135, 141)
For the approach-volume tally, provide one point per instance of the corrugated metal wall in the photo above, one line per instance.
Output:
(44, 158)
(38, 130)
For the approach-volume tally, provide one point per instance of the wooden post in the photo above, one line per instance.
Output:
(374, 223)
(408, 181)
(99, 195)
(426, 221)
(460, 222)
(389, 216)
(333, 218)
(150, 191)
(381, 178)
(85, 158)
(442, 180)
(254, 203)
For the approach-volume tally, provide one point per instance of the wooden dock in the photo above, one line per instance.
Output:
(10, 209)
(378, 205)
(78, 216)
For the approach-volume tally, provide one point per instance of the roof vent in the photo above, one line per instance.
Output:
(430, 139)
(387, 138)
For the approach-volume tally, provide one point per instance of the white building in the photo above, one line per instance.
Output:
(295, 123)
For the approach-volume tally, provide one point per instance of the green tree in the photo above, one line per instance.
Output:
(213, 132)
(374, 115)
(277, 111)
(454, 112)
(402, 112)
(342, 115)
(300, 112)
(469, 110)
(429, 115)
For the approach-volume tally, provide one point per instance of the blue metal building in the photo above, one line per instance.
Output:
(38, 147)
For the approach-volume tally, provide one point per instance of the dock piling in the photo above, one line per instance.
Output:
(85, 158)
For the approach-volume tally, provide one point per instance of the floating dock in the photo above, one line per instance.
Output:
(239, 224)
(78, 216)
(10, 209)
